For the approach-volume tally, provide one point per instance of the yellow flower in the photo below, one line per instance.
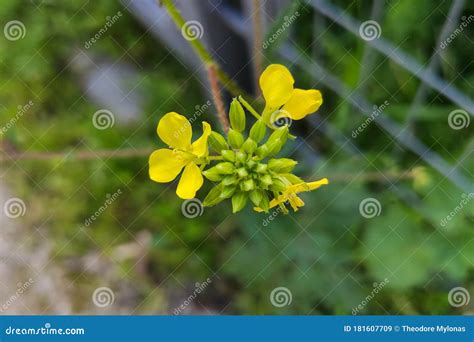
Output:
(290, 195)
(166, 164)
(276, 83)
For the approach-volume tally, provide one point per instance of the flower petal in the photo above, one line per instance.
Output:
(175, 131)
(164, 165)
(295, 202)
(302, 103)
(190, 182)
(273, 203)
(276, 83)
(316, 184)
(302, 187)
(200, 145)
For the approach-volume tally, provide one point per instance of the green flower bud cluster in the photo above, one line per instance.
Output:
(246, 169)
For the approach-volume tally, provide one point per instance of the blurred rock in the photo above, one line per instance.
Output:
(112, 85)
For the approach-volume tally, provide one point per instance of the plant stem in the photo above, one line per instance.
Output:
(252, 111)
(217, 97)
(74, 155)
(249, 108)
(257, 43)
(200, 50)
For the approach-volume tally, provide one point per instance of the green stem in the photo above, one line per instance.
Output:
(217, 98)
(200, 50)
(264, 117)
(249, 108)
(257, 53)
(215, 158)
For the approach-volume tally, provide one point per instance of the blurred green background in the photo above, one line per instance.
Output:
(328, 255)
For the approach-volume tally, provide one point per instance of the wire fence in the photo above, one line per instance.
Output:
(401, 133)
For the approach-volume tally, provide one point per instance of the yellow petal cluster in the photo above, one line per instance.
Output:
(166, 164)
(276, 83)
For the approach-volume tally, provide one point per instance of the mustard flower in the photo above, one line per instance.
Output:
(276, 83)
(290, 195)
(245, 166)
(166, 164)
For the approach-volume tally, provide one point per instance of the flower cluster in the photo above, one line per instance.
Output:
(244, 166)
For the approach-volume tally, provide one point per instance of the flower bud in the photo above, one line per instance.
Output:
(250, 164)
(256, 196)
(263, 151)
(247, 185)
(265, 181)
(239, 200)
(240, 156)
(213, 197)
(228, 180)
(261, 168)
(258, 131)
(217, 142)
(278, 185)
(274, 146)
(282, 165)
(265, 203)
(228, 155)
(213, 174)
(225, 168)
(237, 116)
(249, 146)
(228, 191)
(242, 172)
(236, 139)
(292, 178)
(279, 134)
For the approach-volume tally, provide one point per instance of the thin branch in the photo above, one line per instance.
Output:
(389, 49)
(74, 155)
(200, 50)
(257, 116)
(217, 97)
(257, 54)
(402, 136)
